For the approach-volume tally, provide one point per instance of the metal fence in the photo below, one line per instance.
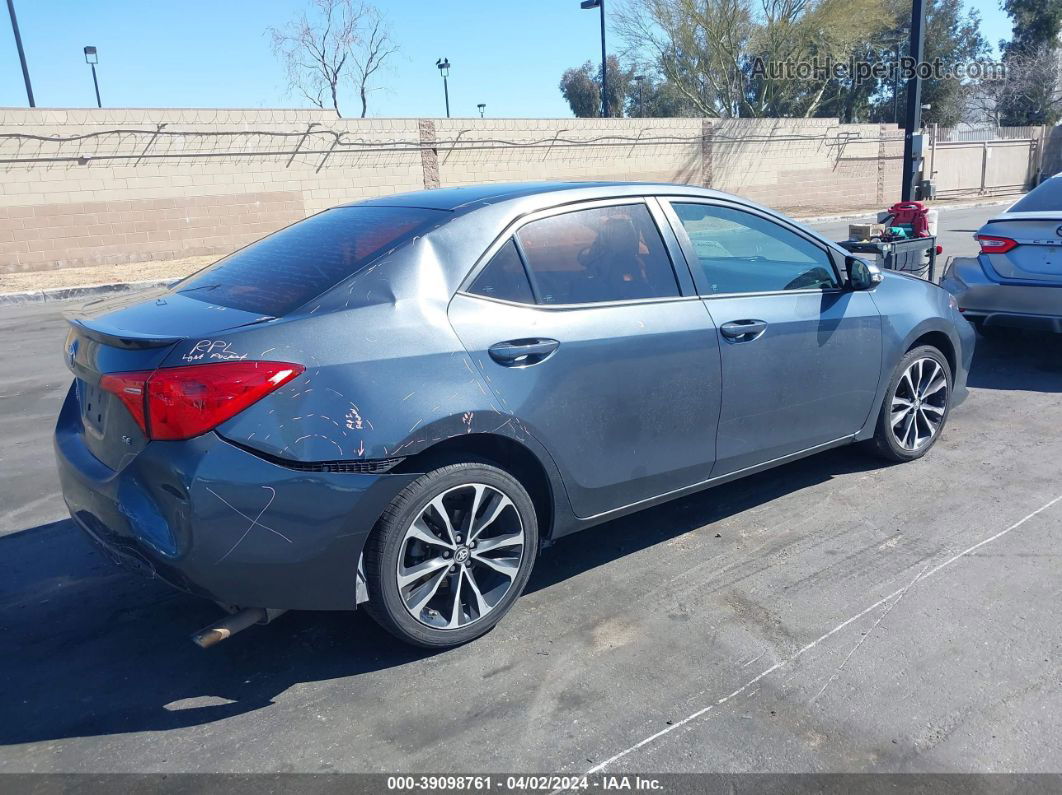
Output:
(984, 161)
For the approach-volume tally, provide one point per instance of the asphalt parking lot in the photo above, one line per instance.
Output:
(831, 615)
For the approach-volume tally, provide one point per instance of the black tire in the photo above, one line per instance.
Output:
(885, 443)
(386, 544)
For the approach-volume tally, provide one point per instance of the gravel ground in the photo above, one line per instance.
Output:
(91, 275)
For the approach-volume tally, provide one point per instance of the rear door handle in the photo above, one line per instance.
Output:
(743, 330)
(521, 353)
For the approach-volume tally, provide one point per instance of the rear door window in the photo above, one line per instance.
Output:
(504, 277)
(601, 254)
(282, 272)
(739, 252)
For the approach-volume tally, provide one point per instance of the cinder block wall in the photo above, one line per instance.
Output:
(81, 187)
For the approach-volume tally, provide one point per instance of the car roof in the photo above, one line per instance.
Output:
(469, 197)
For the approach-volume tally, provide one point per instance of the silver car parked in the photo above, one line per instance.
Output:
(1016, 281)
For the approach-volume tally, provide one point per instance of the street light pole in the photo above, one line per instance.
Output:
(21, 52)
(482, 107)
(912, 136)
(444, 70)
(91, 58)
(585, 4)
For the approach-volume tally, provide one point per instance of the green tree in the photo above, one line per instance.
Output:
(710, 51)
(582, 91)
(581, 88)
(651, 97)
(953, 36)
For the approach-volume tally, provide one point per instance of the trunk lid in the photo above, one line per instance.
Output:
(130, 335)
(1038, 256)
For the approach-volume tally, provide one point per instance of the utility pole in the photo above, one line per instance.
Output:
(21, 52)
(912, 137)
(586, 4)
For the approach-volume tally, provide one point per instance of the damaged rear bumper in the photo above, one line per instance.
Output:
(217, 521)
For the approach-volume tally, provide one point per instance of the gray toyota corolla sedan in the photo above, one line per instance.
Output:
(1016, 281)
(401, 401)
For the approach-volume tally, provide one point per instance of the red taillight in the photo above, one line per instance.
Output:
(990, 244)
(183, 402)
(131, 389)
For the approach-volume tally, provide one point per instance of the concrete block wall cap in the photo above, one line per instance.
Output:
(70, 293)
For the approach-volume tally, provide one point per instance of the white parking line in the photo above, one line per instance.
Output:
(899, 592)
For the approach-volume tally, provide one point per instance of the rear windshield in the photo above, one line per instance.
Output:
(1046, 197)
(285, 270)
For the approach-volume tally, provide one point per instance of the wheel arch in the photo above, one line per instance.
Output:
(512, 456)
(930, 332)
(942, 342)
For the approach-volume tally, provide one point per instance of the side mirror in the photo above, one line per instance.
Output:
(862, 275)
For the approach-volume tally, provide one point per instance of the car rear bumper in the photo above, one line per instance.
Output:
(215, 520)
(991, 303)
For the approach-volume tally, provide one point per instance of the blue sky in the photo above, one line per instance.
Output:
(193, 53)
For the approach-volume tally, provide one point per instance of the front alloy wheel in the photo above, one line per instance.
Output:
(916, 405)
(919, 403)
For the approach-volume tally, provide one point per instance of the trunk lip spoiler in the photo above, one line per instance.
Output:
(1014, 217)
(119, 338)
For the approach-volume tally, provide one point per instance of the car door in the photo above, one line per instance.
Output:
(586, 333)
(801, 356)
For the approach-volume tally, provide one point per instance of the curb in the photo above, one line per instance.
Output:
(69, 293)
(987, 202)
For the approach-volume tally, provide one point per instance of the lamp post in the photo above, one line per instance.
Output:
(21, 52)
(640, 80)
(586, 4)
(482, 107)
(92, 59)
(444, 70)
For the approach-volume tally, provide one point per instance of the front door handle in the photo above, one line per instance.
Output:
(521, 353)
(743, 330)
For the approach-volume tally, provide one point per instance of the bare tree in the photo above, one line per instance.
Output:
(333, 42)
(1021, 91)
(375, 48)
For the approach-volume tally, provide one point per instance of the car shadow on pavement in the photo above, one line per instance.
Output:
(1019, 361)
(90, 649)
(608, 542)
(93, 650)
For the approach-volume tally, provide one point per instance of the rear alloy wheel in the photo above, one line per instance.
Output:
(916, 406)
(451, 555)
